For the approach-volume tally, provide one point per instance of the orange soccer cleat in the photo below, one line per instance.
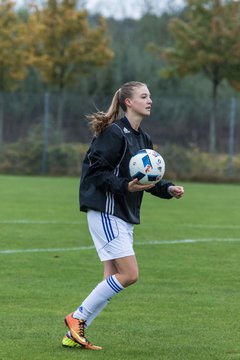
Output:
(77, 327)
(69, 342)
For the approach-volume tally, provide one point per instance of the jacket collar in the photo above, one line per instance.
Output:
(128, 126)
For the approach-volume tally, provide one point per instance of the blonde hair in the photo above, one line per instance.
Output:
(100, 120)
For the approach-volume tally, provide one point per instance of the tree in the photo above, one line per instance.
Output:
(65, 46)
(206, 39)
(13, 53)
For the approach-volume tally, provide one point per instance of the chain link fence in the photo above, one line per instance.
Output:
(36, 124)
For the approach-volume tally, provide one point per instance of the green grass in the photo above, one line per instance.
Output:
(184, 307)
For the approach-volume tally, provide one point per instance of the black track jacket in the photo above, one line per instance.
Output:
(105, 173)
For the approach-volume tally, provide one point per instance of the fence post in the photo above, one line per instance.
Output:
(45, 133)
(1, 119)
(232, 118)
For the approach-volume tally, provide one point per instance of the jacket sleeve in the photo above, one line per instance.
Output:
(106, 153)
(161, 189)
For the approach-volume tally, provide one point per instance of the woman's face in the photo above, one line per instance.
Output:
(140, 102)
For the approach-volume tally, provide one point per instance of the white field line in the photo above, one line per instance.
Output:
(40, 222)
(46, 250)
(137, 243)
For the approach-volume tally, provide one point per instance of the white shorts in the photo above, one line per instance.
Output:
(112, 237)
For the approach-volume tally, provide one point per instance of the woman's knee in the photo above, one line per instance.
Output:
(132, 278)
(127, 270)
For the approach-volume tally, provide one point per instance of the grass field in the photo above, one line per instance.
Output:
(184, 307)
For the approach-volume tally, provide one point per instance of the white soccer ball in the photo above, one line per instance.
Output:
(147, 166)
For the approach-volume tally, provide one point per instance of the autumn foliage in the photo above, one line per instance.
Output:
(63, 44)
(13, 47)
(206, 39)
(56, 39)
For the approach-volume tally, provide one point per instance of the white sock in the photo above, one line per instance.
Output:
(95, 314)
(98, 299)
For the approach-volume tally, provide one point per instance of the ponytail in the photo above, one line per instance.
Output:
(100, 120)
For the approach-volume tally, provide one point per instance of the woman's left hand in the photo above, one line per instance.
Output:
(176, 191)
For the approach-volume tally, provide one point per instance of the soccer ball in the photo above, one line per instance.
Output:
(147, 166)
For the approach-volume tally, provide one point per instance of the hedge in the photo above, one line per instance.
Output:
(26, 158)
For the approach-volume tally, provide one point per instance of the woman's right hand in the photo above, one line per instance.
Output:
(134, 186)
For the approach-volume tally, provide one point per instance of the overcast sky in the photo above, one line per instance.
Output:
(124, 8)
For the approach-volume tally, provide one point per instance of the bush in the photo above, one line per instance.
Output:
(18, 158)
(193, 164)
(66, 159)
(26, 157)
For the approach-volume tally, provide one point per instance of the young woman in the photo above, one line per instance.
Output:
(112, 201)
